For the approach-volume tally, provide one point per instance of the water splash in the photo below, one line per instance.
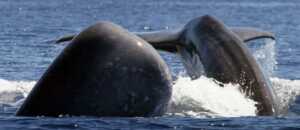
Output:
(287, 91)
(265, 54)
(193, 97)
(13, 91)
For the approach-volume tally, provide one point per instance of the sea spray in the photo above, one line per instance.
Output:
(265, 54)
(287, 92)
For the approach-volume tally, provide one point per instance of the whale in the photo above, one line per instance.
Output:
(206, 42)
(104, 71)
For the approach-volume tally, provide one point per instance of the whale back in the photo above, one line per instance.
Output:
(104, 71)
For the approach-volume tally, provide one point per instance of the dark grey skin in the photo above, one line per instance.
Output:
(227, 59)
(104, 71)
(207, 43)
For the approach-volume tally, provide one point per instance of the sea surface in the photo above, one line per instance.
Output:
(29, 28)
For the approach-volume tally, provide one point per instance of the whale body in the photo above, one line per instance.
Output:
(226, 58)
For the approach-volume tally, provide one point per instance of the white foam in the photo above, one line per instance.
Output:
(205, 95)
(13, 91)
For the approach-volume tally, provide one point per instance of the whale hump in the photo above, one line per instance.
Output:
(65, 38)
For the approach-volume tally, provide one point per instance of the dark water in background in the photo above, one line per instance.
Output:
(28, 28)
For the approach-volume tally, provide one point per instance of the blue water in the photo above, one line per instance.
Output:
(28, 29)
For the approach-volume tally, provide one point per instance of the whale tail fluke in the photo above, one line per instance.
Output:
(168, 40)
(247, 33)
(65, 39)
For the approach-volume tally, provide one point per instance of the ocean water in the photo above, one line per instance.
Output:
(29, 28)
